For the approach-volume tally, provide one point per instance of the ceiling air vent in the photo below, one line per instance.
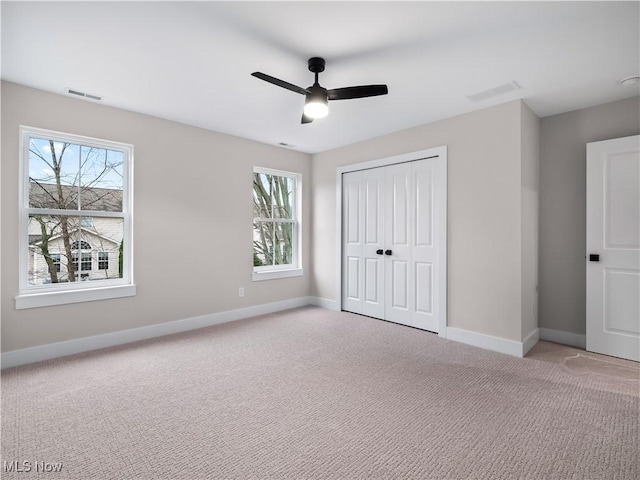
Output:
(494, 92)
(83, 94)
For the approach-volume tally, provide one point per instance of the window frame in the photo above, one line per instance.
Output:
(294, 269)
(31, 296)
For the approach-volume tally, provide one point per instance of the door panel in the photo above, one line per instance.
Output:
(613, 233)
(398, 179)
(399, 298)
(622, 201)
(372, 270)
(620, 314)
(373, 232)
(424, 288)
(353, 215)
(352, 248)
(363, 219)
(353, 272)
(423, 217)
(423, 249)
(399, 287)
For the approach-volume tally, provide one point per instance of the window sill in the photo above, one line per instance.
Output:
(47, 299)
(272, 275)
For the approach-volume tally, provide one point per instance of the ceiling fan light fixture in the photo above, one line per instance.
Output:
(316, 106)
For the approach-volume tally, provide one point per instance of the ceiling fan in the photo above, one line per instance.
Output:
(317, 97)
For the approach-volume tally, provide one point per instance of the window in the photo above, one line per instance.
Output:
(76, 204)
(103, 260)
(86, 222)
(55, 258)
(85, 261)
(276, 224)
(80, 245)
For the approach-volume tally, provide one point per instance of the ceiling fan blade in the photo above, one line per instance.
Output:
(280, 83)
(357, 92)
(306, 119)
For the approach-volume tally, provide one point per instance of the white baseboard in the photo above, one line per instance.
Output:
(488, 342)
(79, 345)
(530, 341)
(563, 338)
(324, 303)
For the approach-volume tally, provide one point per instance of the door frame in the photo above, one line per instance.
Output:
(439, 153)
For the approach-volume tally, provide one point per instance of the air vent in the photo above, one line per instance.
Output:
(494, 92)
(288, 145)
(83, 94)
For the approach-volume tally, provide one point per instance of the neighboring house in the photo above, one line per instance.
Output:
(93, 241)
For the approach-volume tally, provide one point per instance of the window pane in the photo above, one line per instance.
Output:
(53, 174)
(261, 195)
(86, 222)
(101, 179)
(262, 244)
(282, 197)
(60, 251)
(283, 242)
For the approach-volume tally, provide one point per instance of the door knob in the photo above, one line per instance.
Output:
(379, 252)
(387, 252)
(594, 257)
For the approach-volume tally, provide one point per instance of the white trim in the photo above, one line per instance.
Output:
(274, 274)
(530, 341)
(325, 303)
(405, 157)
(70, 347)
(441, 153)
(488, 342)
(58, 297)
(563, 338)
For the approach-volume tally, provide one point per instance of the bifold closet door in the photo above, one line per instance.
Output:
(363, 242)
(397, 245)
(388, 254)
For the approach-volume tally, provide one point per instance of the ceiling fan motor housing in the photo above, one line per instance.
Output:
(316, 64)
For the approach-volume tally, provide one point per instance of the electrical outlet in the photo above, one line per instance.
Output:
(241, 292)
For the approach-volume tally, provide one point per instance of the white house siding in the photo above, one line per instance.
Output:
(104, 235)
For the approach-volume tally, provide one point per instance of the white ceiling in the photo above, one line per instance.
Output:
(191, 61)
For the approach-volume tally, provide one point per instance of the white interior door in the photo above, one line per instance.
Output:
(363, 242)
(391, 252)
(398, 232)
(613, 247)
(424, 244)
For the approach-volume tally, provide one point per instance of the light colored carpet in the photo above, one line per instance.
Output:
(310, 393)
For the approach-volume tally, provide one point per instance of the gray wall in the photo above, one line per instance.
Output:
(562, 267)
(193, 216)
(192, 220)
(484, 212)
(529, 195)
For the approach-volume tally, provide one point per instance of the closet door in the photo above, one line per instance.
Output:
(399, 296)
(390, 256)
(424, 254)
(363, 242)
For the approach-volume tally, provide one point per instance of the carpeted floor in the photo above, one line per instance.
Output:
(315, 394)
